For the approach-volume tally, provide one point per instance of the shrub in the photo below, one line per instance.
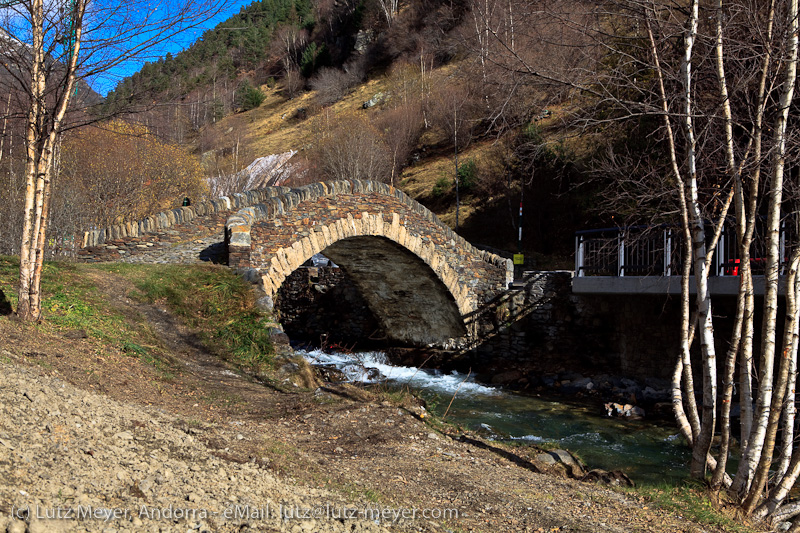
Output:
(331, 85)
(135, 174)
(249, 97)
(441, 186)
(467, 175)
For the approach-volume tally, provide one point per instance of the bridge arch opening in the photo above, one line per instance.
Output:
(382, 286)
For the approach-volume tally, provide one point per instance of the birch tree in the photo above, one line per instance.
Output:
(49, 52)
(390, 9)
(709, 88)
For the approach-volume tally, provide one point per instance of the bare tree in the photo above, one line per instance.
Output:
(455, 112)
(287, 44)
(705, 91)
(46, 50)
(332, 84)
(390, 9)
(400, 128)
(349, 147)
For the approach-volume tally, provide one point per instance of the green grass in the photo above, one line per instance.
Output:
(69, 300)
(151, 357)
(690, 500)
(216, 302)
(212, 300)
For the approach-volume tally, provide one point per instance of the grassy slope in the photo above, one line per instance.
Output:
(210, 299)
(272, 128)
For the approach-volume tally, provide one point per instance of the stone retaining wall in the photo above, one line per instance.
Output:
(320, 304)
(540, 325)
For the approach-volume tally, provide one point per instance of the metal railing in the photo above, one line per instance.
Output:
(657, 251)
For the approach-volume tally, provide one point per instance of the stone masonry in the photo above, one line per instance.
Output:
(367, 227)
(156, 233)
(438, 281)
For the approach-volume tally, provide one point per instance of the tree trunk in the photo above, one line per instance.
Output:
(42, 132)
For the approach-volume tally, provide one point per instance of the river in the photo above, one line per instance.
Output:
(648, 453)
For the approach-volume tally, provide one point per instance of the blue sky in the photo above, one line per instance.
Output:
(111, 78)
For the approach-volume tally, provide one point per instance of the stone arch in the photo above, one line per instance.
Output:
(287, 259)
(278, 236)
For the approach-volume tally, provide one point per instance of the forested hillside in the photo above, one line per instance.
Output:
(462, 104)
(384, 90)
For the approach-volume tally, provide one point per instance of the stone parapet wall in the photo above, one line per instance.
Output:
(175, 225)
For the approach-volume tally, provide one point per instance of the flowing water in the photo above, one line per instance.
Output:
(646, 452)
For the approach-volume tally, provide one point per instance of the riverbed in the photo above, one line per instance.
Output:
(647, 452)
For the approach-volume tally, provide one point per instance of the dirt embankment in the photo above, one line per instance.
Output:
(199, 446)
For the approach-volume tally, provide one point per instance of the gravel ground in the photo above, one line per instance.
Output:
(65, 452)
(94, 439)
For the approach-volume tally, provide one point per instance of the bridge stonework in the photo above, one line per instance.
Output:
(396, 250)
(167, 228)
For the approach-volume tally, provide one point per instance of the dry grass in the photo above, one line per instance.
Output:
(419, 180)
(275, 127)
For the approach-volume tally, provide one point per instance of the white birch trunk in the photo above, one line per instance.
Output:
(789, 409)
(32, 135)
(760, 458)
(744, 474)
(689, 424)
(42, 134)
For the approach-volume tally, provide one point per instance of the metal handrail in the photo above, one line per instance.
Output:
(655, 250)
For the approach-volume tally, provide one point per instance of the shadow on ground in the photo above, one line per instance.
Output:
(5, 305)
(214, 253)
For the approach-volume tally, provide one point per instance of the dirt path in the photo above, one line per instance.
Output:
(351, 445)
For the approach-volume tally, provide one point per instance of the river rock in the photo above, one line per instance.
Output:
(330, 374)
(615, 477)
(549, 379)
(627, 410)
(571, 465)
(649, 393)
(504, 378)
(265, 303)
(277, 336)
(578, 385)
(546, 458)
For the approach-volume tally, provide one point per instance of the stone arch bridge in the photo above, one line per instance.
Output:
(425, 283)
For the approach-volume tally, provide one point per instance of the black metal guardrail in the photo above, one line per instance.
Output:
(657, 251)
